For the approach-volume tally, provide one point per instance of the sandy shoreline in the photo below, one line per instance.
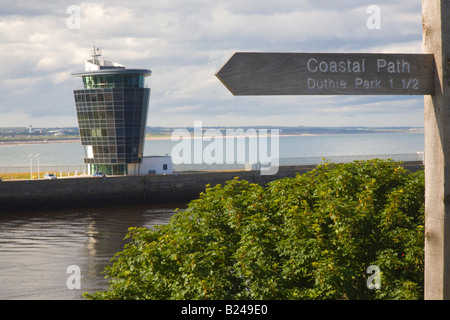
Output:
(38, 142)
(147, 138)
(22, 142)
(235, 136)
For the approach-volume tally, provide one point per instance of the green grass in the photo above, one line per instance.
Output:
(26, 175)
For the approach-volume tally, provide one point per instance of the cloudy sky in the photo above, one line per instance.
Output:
(184, 43)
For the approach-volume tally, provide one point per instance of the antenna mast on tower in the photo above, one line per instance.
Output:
(97, 53)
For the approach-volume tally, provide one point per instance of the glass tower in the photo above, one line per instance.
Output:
(112, 115)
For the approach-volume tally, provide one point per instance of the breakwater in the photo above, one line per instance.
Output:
(177, 188)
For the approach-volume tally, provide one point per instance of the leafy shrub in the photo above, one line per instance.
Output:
(308, 237)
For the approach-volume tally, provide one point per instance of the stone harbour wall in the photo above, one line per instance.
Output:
(177, 188)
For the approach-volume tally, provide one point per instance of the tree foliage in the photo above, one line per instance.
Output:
(308, 237)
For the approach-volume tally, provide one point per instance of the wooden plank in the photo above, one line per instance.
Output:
(436, 35)
(250, 73)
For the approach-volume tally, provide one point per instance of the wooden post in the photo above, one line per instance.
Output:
(436, 35)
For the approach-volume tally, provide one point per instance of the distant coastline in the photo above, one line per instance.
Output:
(306, 133)
(163, 133)
(31, 141)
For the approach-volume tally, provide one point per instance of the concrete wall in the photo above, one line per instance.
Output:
(124, 190)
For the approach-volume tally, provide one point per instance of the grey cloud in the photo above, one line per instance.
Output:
(185, 43)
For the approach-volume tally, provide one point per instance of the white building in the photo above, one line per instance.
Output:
(151, 165)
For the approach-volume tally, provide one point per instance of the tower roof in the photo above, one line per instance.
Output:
(98, 66)
(112, 71)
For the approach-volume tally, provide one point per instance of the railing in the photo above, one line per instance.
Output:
(81, 169)
(419, 156)
(64, 169)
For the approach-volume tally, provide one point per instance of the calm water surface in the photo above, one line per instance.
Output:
(37, 248)
(58, 154)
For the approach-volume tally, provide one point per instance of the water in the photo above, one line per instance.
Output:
(71, 153)
(37, 248)
(60, 154)
(327, 145)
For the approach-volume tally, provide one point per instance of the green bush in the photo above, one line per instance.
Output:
(308, 237)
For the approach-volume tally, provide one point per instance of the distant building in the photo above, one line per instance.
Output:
(112, 115)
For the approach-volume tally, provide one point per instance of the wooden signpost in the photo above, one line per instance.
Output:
(378, 74)
(328, 74)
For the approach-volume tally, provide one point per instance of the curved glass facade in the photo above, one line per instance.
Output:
(113, 81)
(112, 114)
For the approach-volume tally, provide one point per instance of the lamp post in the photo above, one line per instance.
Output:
(37, 156)
(31, 165)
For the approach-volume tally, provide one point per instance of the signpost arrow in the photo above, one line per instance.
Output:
(250, 73)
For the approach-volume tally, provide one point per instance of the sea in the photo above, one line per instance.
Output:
(59, 255)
